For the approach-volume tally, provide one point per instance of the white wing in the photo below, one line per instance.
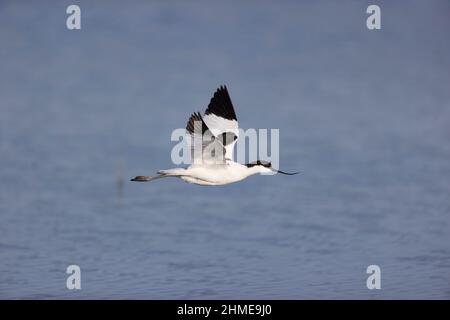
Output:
(221, 119)
(216, 132)
(205, 147)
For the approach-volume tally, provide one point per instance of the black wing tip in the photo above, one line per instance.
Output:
(190, 126)
(222, 90)
(221, 105)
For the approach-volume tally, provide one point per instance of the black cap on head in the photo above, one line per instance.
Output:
(259, 163)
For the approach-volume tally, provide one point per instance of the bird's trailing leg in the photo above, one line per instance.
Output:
(148, 178)
(177, 172)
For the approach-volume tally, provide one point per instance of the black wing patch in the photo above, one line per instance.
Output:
(227, 138)
(194, 121)
(221, 105)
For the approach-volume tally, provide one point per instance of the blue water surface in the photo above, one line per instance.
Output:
(364, 115)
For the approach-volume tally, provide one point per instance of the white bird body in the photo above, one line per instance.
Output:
(213, 175)
(212, 138)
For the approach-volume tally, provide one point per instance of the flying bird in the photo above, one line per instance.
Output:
(212, 138)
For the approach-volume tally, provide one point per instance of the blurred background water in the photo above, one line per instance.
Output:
(363, 114)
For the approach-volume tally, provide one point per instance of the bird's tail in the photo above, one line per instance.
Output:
(161, 174)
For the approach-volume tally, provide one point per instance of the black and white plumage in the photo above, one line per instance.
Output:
(216, 132)
(212, 138)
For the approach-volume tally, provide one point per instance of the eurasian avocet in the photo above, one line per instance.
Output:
(216, 133)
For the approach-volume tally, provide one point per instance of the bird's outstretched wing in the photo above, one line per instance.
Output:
(222, 121)
(205, 147)
(218, 127)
